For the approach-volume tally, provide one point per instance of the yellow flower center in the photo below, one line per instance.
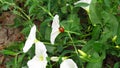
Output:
(41, 58)
(35, 40)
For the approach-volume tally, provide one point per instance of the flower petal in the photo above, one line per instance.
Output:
(84, 1)
(39, 60)
(30, 39)
(53, 36)
(55, 29)
(36, 63)
(40, 49)
(55, 23)
(68, 63)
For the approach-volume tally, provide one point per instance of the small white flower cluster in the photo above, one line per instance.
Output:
(39, 60)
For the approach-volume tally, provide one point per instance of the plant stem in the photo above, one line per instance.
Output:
(72, 42)
(46, 11)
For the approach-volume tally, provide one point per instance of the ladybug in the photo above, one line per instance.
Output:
(61, 29)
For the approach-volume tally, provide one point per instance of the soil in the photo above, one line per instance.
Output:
(110, 61)
(8, 34)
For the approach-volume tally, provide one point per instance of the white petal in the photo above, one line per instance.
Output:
(40, 50)
(84, 1)
(53, 36)
(30, 39)
(36, 63)
(55, 23)
(68, 63)
(39, 60)
(55, 29)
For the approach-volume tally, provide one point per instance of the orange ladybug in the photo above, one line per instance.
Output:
(61, 29)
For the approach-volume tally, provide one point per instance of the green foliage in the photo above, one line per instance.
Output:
(96, 37)
(117, 65)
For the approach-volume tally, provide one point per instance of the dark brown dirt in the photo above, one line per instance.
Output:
(8, 34)
(110, 61)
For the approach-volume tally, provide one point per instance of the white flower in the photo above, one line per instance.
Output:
(39, 60)
(30, 40)
(55, 29)
(84, 1)
(68, 63)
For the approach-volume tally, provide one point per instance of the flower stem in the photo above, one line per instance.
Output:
(72, 42)
(48, 12)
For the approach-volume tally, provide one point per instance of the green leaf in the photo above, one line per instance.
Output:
(94, 65)
(5, 7)
(94, 13)
(117, 65)
(64, 9)
(8, 52)
(107, 3)
(72, 23)
(50, 49)
(81, 5)
(97, 46)
(47, 33)
(96, 32)
(20, 58)
(32, 9)
(111, 26)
